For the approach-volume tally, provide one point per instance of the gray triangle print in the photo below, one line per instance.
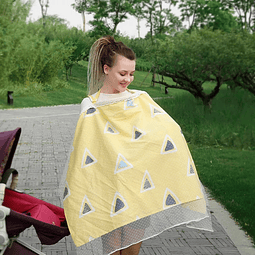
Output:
(169, 146)
(86, 209)
(147, 184)
(191, 170)
(89, 160)
(137, 134)
(119, 205)
(65, 192)
(91, 110)
(110, 130)
(156, 111)
(170, 200)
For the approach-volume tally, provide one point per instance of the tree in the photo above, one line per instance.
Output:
(118, 10)
(149, 9)
(99, 23)
(223, 20)
(160, 19)
(13, 11)
(139, 15)
(79, 44)
(246, 78)
(165, 21)
(109, 13)
(211, 13)
(54, 26)
(44, 7)
(189, 10)
(81, 6)
(26, 59)
(76, 42)
(13, 16)
(191, 59)
(245, 10)
(246, 81)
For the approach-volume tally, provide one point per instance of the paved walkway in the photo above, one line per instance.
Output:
(40, 157)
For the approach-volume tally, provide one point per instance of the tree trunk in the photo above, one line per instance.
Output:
(44, 8)
(207, 102)
(43, 17)
(153, 77)
(117, 20)
(151, 26)
(83, 21)
(67, 78)
(115, 28)
(138, 27)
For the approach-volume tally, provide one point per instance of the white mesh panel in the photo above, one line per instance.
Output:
(146, 228)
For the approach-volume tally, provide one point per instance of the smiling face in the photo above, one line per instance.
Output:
(118, 77)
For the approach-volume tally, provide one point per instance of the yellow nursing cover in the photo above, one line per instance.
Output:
(130, 165)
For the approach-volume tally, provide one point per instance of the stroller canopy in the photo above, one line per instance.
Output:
(8, 144)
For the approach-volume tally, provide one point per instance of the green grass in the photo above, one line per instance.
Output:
(229, 174)
(230, 123)
(222, 141)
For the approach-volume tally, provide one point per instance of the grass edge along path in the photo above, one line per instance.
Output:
(229, 175)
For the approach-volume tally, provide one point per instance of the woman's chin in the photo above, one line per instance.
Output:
(123, 87)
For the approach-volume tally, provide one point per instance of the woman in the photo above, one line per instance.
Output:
(130, 174)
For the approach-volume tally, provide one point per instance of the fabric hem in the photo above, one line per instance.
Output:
(177, 225)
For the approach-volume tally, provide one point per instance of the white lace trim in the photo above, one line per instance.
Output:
(106, 99)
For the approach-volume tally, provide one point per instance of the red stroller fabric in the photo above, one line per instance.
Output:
(48, 220)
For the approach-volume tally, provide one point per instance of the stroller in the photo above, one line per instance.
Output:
(19, 211)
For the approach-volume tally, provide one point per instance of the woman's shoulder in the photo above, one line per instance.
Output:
(137, 91)
(86, 104)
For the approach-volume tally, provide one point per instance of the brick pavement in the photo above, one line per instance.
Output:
(40, 158)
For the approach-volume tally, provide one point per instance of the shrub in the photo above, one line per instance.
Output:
(143, 65)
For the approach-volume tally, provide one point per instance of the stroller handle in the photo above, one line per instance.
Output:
(4, 211)
(15, 178)
(2, 192)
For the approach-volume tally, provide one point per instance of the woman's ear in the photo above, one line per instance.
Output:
(106, 69)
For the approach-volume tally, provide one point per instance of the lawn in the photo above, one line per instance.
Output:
(230, 123)
(229, 175)
(222, 141)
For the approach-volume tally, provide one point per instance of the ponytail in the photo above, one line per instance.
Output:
(104, 52)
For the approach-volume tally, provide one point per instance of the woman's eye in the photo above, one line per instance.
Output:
(124, 74)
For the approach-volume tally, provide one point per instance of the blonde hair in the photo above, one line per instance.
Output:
(104, 52)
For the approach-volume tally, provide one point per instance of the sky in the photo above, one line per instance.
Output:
(63, 9)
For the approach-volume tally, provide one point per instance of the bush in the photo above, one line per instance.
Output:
(55, 83)
(26, 58)
(34, 88)
(37, 61)
(139, 45)
(143, 65)
(12, 29)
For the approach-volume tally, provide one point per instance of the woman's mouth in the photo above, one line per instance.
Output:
(124, 84)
